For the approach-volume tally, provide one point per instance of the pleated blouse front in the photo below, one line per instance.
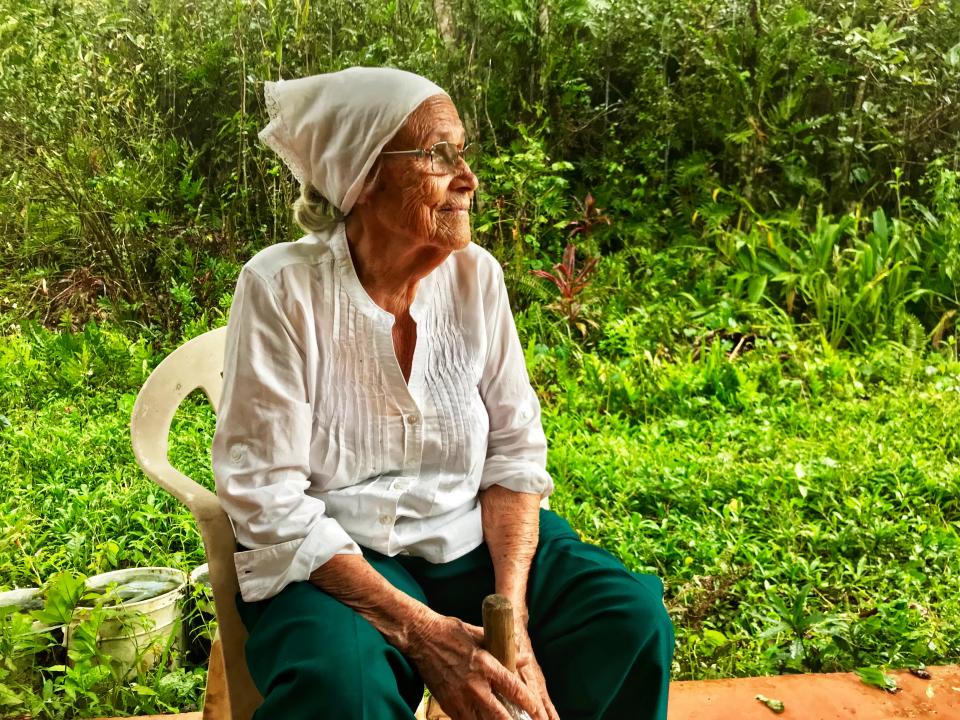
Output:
(321, 445)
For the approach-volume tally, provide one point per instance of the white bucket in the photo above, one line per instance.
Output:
(22, 599)
(136, 633)
(200, 576)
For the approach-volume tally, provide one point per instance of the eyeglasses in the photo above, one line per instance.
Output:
(443, 155)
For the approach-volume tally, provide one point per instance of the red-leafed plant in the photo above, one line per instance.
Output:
(590, 217)
(570, 280)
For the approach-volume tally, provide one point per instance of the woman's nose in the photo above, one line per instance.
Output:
(465, 180)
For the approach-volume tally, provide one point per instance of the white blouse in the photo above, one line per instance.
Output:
(322, 445)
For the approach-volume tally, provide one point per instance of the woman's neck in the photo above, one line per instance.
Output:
(390, 266)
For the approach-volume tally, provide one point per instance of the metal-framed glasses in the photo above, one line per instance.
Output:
(443, 155)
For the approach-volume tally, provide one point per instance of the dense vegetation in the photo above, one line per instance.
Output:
(732, 236)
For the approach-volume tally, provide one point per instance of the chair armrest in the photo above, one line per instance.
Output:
(202, 503)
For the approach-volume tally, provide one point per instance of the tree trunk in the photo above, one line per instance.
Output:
(445, 22)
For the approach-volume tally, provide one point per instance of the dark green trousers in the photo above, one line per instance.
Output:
(600, 633)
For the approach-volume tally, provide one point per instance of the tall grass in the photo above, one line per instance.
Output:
(135, 184)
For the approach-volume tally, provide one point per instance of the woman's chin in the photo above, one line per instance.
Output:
(460, 241)
(454, 238)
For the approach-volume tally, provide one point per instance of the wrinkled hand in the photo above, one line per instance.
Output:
(530, 672)
(450, 658)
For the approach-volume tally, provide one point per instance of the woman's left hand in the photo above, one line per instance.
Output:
(529, 669)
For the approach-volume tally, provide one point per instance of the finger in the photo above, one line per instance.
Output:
(477, 700)
(460, 713)
(493, 709)
(513, 688)
(532, 675)
(478, 705)
(534, 681)
(524, 658)
(552, 713)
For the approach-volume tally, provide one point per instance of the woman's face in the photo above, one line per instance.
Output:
(418, 199)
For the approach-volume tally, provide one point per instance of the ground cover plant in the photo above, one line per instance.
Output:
(802, 511)
(731, 235)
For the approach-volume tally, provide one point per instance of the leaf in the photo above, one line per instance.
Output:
(797, 16)
(877, 678)
(714, 638)
(953, 56)
(775, 705)
(758, 283)
(880, 223)
(9, 697)
(62, 595)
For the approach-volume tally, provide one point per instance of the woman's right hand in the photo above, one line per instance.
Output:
(463, 676)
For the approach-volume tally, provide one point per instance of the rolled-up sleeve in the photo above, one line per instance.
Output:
(516, 446)
(261, 448)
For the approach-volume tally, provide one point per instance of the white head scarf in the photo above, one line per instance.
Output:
(328, 129)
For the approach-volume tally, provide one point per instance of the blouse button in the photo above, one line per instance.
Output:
(385, 519)
(413, 419)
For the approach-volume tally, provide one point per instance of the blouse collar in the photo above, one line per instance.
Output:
(358, 294)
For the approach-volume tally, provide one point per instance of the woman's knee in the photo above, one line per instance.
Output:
(312, 690)
(641, 620)
(365, 679)
(311, 656)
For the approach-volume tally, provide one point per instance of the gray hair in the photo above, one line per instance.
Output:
(312, 211)
(315, 213)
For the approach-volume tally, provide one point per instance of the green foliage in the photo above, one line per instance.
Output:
(38, 679)
(877, 678)
(524, 196)
(135, 185)
(800, 503)
(36, 363)
(75, 504)
(802, 508)
(62, 595)
(786, 100)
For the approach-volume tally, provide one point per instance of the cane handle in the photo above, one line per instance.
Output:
(499, 638)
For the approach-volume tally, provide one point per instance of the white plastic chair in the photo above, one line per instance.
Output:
(198, 363)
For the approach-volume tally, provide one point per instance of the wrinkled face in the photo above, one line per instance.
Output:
(419, 200)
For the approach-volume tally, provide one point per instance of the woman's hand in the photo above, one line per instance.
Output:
(530, 672)
(463, 676)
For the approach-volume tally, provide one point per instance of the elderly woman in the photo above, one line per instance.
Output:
(380, 452)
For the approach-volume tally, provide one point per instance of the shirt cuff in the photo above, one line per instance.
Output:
(265, 572)
(522, 477)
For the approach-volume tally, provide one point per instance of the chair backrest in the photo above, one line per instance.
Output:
(197, 364)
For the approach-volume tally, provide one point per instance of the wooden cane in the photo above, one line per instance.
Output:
(499, 636)
(499, 639)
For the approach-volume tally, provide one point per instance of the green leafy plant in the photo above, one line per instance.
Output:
(523, 197)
